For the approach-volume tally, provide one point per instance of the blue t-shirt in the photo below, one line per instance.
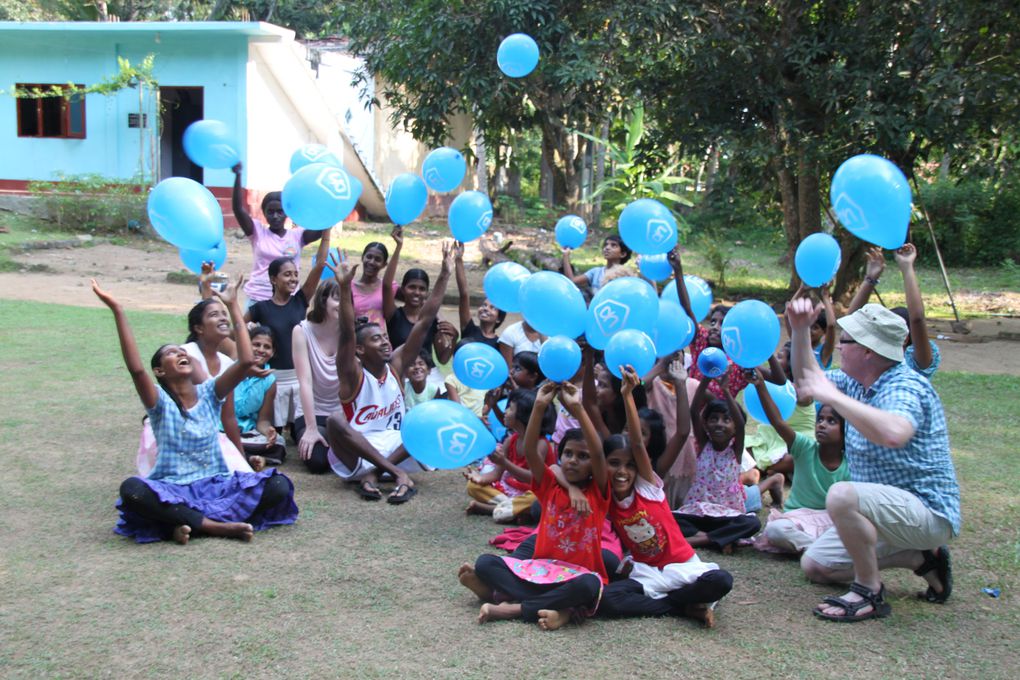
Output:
(248, 398)
(936, 360)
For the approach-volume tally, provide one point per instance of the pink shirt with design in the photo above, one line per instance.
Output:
(266, 247)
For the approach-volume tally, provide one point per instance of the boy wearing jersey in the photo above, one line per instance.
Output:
(365, 437)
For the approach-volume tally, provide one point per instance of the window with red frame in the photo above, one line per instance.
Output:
(53, 116)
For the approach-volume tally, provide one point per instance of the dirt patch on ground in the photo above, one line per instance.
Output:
(137, 274)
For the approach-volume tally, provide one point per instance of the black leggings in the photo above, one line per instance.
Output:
(137, 497)
(720, 530)
(627, 597)
(582, 591)
(318, 463)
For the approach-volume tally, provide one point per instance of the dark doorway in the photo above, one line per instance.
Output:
(180, 107)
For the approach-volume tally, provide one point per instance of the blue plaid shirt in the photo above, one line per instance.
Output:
(923, 467)
(189, 448)
(936, 360)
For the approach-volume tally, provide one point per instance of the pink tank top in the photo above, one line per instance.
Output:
(325, 383)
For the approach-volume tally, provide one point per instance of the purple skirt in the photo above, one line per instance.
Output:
(224, 498)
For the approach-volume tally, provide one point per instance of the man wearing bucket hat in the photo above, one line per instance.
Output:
(903, 503)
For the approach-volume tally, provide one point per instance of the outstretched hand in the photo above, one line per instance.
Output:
(398, 235)
(449, 255)
(801, 313)
(630, 380)
(875, 264)
(344, 271)
(677, 372)
(548, 391)
(229, 296)
(107, 299)
(905, 255)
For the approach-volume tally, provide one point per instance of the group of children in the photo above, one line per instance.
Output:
(662, 462)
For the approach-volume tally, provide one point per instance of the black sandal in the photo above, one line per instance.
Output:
(941, 562)
(879, 607)
(368, 491)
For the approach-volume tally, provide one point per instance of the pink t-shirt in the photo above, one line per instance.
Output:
(370, 304)
(266, 247)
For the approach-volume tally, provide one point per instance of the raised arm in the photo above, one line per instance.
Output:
(905, 257)
(697, 406)
(533, 433)
(589, 393)
(571, 400)
(389, 304)
(829, 344)
(410, 349)
(237, 204)
(144, 385)
(463, 297)
(771, 410)
(348, 367)
(233, 376)
(315, 273)
(568, 270)
(677, 376)
(637, 443)
(872, 271)
(738, 417)
(678, 275)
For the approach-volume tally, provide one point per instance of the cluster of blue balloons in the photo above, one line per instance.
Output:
(871, 198)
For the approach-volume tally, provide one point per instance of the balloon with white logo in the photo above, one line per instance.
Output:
(674, 330)
(517, 55)
(655, 267)
(571, 231)
(698, 292)
(318, 196)
(817, 259)
(559, 358)
(784, 396)
(406, 198)
(479, 366)
(444, 169)
(626, 302)
(648, 227)
(630, 347)
(750, 333)
(211, 144)
(446, 435)
(871, 198)
(502, 285)
(712, 362)
(312, 153)
(470, 216)
(193, 259)
(553, 305)
(186, 214)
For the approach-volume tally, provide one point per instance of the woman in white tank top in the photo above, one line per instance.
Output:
(314, 344)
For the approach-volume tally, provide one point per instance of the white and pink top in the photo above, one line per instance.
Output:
(266, 247)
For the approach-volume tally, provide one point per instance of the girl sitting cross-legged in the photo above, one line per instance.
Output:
(190, 490)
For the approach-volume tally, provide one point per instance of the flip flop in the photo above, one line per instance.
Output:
(369, 492)
(399, 497)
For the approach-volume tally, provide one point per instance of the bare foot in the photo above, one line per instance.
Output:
(241, 530)
(701, 612)
(499, 612)
(469, 579)
(727, 549)
(182, 533)
(551, 619)
(258, 463)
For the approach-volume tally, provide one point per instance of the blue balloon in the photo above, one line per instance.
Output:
(313, 153)
(626, 302)
(648, 227)
(750, 333)
(698, 291)
(406, 198)
(712, 362)
(443, 169)
(319, 196)
(480, 366)
(553, 305)
(211, 144)
(517, 55)
(470, 216)
(630, 347)
(193, 259)
(502, 285)
(784, 395)
(559, 358)
(445, 435)
(871, 198)
(817, 259)
(674, 330)
(333, 258)
(655, 267)
(186, 214)
(571, 231)
(495, 426)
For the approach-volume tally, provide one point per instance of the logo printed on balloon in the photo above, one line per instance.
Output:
(455, 440)
(731, 340)
(433, 176)
(314, 153)
(479, 368)
(849, 213)
(335, 183)
(484, 220)
(611, 315)
(659, 230)
(577, 224)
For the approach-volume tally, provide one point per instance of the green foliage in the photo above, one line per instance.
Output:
(127, 76)
(975, 222)
(734, 210)
(717, 254)
(92, 203)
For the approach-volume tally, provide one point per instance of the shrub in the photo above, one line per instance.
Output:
(975, 222)
(93, 203)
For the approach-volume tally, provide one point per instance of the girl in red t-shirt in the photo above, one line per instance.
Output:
(566, 575)
(666, 576)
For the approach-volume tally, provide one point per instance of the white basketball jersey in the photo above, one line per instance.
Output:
(377, 406)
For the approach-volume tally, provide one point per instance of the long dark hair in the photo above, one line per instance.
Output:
(195, 317)
(377, 246)
(157, 359)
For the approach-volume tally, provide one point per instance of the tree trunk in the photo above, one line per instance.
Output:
(849, 276)
(482, 169)
(600, 173)
(564, 156)
(712, 170)
(788, 199)
(809, 207)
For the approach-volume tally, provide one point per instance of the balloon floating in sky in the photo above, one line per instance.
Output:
(186, 214)
(817, 259)
(648, 227)
(444, 169)
(517, 55)
(406, 198)
(871, 198)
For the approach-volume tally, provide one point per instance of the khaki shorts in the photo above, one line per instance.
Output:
(903, 523)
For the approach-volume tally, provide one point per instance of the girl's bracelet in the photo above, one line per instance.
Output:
(873, 281)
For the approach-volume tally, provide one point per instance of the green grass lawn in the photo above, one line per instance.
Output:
(369, 590)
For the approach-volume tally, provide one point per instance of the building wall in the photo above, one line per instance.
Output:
(215, 62)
